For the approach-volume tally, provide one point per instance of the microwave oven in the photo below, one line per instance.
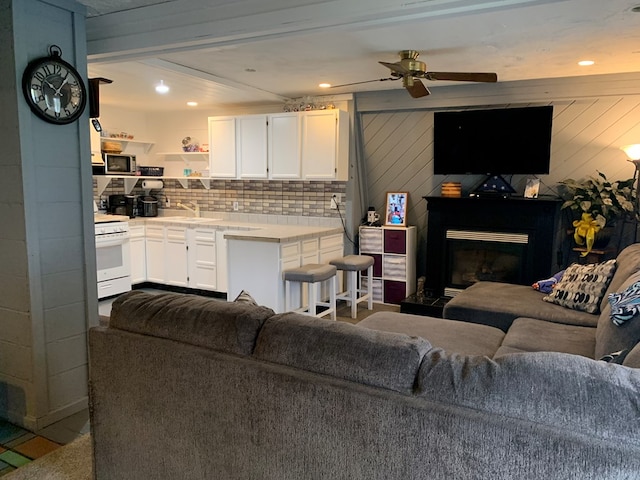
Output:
(119, 164)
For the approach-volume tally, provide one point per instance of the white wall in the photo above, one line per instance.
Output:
(47, 281)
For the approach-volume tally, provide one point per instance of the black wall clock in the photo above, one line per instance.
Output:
(54, 89)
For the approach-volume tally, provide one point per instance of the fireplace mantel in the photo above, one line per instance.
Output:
(538, 219)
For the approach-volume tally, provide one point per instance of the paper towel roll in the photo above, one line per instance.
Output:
(152, 184)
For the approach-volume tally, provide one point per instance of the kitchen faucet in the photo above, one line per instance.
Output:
(195, 209)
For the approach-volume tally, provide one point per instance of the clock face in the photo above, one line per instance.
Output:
(54, 90)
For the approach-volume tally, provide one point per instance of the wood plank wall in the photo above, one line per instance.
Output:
(593, 117)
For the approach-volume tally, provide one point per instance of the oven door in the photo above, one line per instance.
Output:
(112, 256)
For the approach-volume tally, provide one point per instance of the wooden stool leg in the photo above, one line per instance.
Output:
(370, 287)
(287, 296)
(353, 292)
(312, 298)
(332, 298)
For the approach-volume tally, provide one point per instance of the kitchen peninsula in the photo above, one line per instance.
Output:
(229, 256)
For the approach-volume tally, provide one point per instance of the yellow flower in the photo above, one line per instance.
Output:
(586, 229)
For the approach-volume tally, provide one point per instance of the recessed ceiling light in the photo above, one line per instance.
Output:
(162, 88)
(192, 104)
(324, 85)
(586, 63)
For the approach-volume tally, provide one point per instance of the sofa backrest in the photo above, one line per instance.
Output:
(627, 263)
(230, 327)
(556, 389)
(342, 350)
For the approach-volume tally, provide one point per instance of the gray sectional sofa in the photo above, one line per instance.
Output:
(192, 388)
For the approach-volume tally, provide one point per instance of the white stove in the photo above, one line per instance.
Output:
(112, 256)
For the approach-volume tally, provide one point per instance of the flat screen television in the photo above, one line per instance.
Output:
(501, 141)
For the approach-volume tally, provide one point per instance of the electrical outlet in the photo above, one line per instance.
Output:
(336, 200)
(235, 206)
(167, 203)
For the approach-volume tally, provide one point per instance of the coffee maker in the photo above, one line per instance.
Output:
(122, 205)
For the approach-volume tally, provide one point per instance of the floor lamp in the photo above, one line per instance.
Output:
(633, 154)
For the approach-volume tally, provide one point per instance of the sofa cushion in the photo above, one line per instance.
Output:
(583, 286)
(498, 304)
(611, 337)
(381, 359)
(216, 324)
(532, 335)
(562, 391)
(450, 335)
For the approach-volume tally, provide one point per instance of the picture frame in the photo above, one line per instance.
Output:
(532, 188)
(396, 211)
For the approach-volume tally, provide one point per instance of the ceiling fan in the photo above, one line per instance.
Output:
(411, 70)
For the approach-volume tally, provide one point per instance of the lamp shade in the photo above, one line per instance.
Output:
(632, 151)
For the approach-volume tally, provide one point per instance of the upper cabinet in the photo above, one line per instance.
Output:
(311, 145)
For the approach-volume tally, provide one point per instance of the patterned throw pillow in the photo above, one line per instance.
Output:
(625, 305)
(583, 286)
(245, 297)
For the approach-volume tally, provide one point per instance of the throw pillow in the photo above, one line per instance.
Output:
(245, 297)
(625, 305)
(583, 286)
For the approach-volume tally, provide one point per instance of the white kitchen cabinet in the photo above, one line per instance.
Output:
(176, 266)
(222, 147)
(251, 146)
(311, 145)
(238, 146)
(284, 146)
(138, 254)
(258, 266)
(202, 258)
(325, 145)
(154, 253)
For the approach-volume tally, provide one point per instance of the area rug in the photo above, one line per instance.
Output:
(74, 461)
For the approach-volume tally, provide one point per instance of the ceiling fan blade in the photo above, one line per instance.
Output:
(365, 81)
(462, 76)
(417, 89)
(396, 68)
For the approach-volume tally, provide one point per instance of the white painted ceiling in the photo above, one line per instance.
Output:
(224, 53)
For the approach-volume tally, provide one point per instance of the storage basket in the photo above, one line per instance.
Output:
(151, 171)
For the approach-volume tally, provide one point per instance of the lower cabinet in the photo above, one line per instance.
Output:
(202, 270)
(138, 255)
(182, 257)
(394, 253)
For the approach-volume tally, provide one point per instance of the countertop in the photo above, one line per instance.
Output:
(234, 230)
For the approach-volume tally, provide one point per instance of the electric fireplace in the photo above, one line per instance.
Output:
(488, 239)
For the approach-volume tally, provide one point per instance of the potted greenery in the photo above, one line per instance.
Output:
(598, 204)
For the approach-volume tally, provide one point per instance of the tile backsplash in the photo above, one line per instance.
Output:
(269, 197)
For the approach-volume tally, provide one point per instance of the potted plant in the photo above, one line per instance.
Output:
(598, 204)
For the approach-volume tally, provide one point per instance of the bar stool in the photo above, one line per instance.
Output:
(312, 274)
(352, 264)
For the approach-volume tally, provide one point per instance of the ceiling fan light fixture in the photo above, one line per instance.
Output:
(161, 88)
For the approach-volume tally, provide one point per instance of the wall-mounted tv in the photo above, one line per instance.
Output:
(499, 141)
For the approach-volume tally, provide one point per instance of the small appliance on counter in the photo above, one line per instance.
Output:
(122, 205)
(147, 206)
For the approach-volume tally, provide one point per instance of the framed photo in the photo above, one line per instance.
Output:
(532, 188)
(396, 212)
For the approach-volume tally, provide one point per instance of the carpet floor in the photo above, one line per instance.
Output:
(73, 461)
